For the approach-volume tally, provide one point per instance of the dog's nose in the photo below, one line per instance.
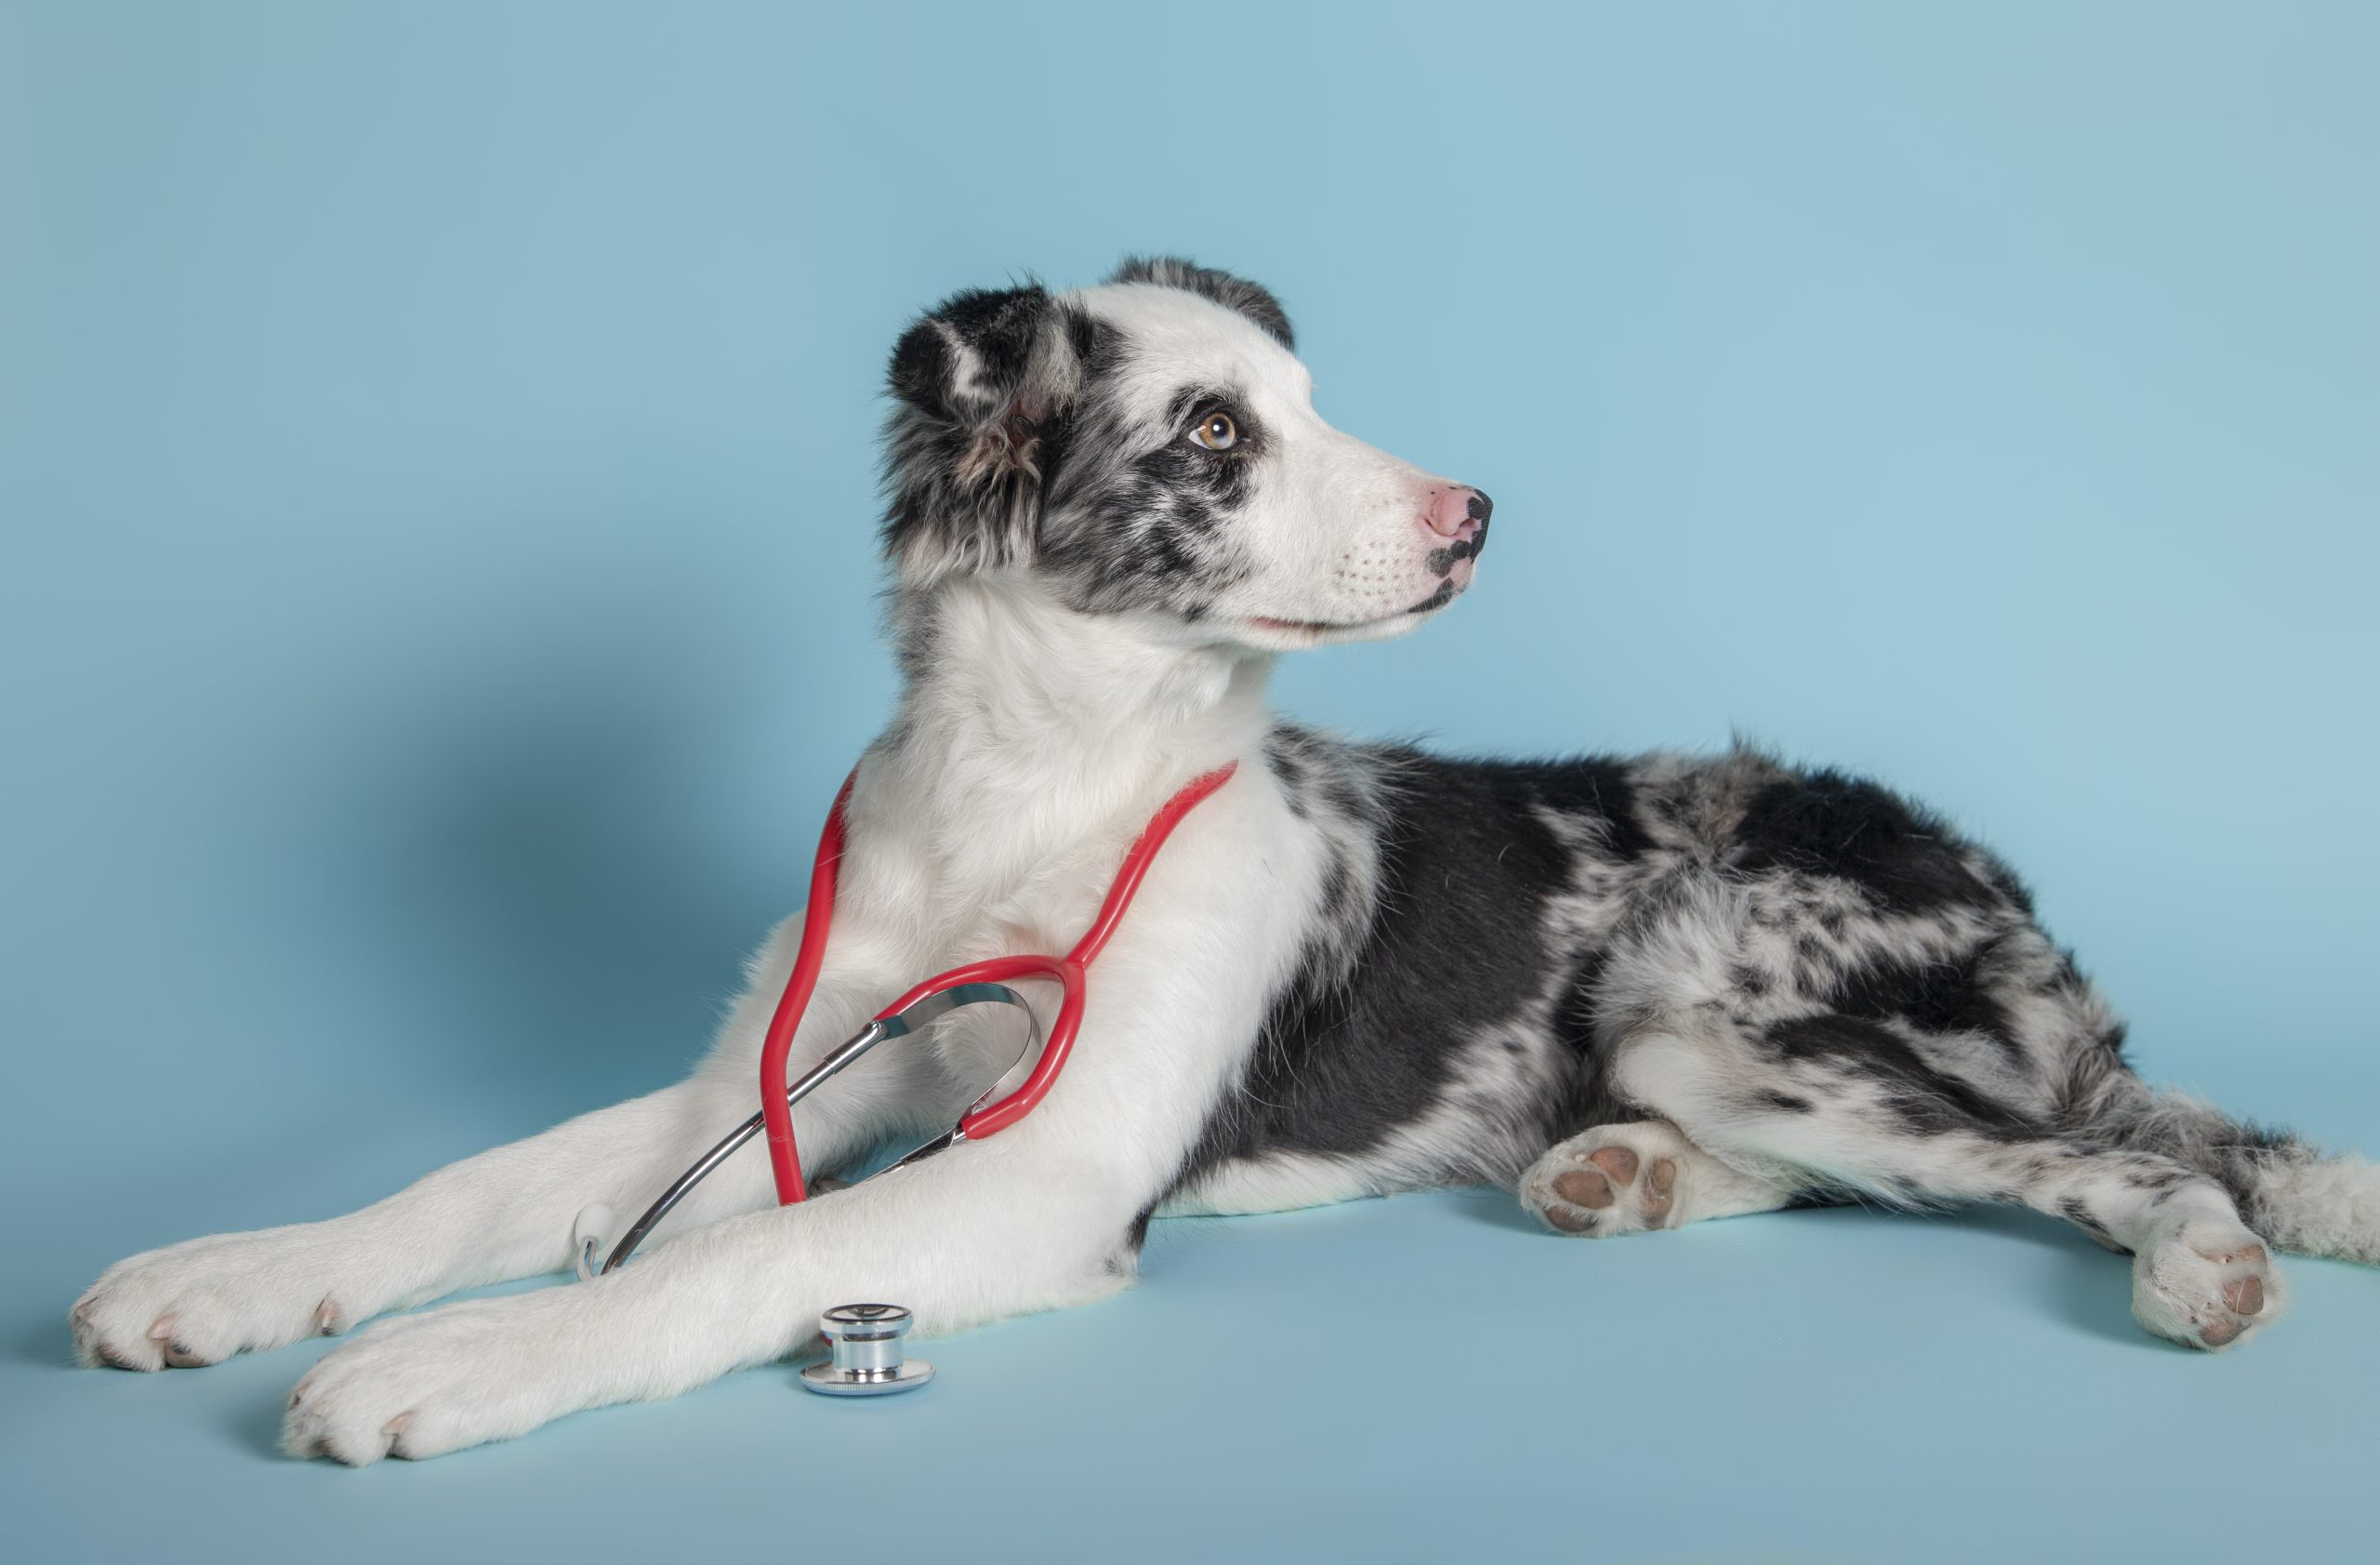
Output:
(1459, 514)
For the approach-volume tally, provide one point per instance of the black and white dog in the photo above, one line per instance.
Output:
(1642, 992)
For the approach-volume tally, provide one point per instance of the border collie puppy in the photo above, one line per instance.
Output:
(1639, 992)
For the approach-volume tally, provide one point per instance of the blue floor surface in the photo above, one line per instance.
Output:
(1823, 1386)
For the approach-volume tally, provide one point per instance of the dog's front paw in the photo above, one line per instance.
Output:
(425, 1384)
(199, 1302)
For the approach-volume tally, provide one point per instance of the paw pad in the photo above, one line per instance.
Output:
(1585, 1187)
(1618, 1162)
(1660, 1191)
(1569, 1222)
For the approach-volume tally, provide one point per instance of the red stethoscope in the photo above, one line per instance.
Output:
(977, 982)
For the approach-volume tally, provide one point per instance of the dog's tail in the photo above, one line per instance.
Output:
(2294, 1194)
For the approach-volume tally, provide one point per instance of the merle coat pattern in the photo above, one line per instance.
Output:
(1641, 991)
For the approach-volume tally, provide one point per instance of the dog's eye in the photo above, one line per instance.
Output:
(1215, 432)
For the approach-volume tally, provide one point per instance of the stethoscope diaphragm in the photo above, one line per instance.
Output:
(864, 1344)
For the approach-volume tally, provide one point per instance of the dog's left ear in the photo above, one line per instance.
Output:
(978, 384)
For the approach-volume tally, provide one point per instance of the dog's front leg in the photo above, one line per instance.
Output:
(983, 1230)
(1040, 1215)
(505, 1213)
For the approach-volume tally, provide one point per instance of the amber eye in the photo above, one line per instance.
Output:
(1215, 432)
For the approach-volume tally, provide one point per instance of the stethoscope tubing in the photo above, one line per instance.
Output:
(784, 1158)
(974, 982)
(917, 1012)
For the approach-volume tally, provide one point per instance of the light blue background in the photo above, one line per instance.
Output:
(436, 605)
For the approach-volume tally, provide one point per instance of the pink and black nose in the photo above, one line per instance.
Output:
(1457, 514)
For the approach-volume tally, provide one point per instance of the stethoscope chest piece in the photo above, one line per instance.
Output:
(865, 1340)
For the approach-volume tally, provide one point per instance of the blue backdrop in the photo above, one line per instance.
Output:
(437, 604)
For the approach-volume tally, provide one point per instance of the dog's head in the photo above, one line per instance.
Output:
(1150, 447)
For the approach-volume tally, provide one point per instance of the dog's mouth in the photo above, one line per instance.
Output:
(1318, 627)
(1447, 592)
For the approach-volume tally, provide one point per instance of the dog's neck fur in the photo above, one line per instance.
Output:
(1033, 741)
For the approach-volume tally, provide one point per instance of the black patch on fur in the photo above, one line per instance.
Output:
(999, 327)
(1456, 942)
(1323, 771)
(967, 444)
(1591, 788)
(1289, 770)
(1594, 793)
(1577, 1013)
(1239, 294)
(1936, 996)
(1589, 1098)
(1925, 1101)
(2004, 881)
(1827, 823)
(1143, 524)
(1364, 1039)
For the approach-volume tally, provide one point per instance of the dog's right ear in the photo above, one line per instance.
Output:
(977, 383)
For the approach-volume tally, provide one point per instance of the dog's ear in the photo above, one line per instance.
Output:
(1251, 300)
(978, 385)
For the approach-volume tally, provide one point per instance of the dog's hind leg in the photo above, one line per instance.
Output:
(2303, 1200)
(1836, 1101)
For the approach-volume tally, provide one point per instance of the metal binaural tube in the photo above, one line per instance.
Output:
(910, 1019)
(842, 1054)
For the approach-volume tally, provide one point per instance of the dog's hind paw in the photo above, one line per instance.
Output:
(2206, 1283)
(1635, 1178)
